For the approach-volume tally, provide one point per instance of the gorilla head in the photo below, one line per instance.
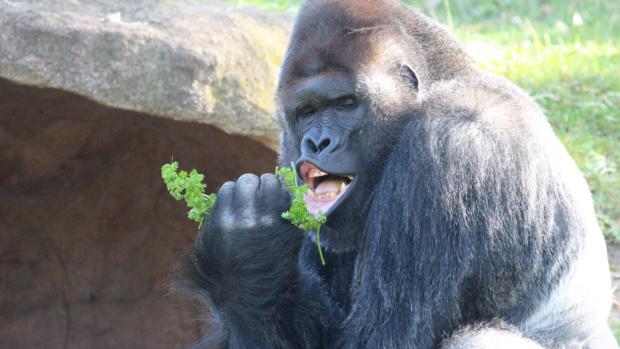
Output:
(353, 74)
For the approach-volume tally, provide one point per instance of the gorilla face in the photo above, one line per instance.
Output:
(342, 139)
(329, 125)
(327, 118)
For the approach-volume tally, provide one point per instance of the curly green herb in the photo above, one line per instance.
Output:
(298, 214)
(189, 187)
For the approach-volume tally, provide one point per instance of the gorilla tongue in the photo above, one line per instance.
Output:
(325, 195)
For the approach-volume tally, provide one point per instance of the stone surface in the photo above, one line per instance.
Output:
(191, 60)
(89, 236)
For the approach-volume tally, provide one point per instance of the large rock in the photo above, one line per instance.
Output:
(185, 60)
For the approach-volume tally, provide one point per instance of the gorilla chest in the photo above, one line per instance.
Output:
(337, 275)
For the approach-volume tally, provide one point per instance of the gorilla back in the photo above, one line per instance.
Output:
(455, 217)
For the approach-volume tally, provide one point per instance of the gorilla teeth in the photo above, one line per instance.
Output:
(316, 173)
(314, 177)
(330, 195)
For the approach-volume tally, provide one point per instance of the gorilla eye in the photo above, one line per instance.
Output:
(348, 101)
(305, 110)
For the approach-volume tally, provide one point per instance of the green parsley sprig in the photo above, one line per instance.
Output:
(298, 214)
(188, 186)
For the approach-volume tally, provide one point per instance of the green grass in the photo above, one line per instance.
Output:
(572, 69)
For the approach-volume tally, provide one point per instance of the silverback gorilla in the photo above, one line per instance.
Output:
(456, 219)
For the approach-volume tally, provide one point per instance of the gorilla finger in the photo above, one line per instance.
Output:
(223, 213)
(245, 189)
(226, 189)
(224, 196)
(269, 184)
(272, 191)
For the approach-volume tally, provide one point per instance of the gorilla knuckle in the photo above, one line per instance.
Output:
(227, 221)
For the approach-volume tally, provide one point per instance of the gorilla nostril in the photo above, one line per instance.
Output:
(315, 146)
(324, 144)
(310, 145)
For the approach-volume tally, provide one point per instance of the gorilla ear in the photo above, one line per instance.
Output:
(410, 76)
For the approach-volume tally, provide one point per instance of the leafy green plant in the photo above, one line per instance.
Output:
(298, 214)
(189, 186)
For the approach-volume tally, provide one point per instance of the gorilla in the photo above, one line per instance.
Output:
(455, 217)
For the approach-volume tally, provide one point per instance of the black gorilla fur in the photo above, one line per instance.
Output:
(469, 226)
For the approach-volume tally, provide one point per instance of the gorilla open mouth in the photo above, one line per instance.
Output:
(325, 190)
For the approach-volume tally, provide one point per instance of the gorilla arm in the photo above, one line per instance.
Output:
(244, 265)
(468, 223)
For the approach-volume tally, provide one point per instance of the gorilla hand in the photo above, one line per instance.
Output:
(246, 253)
(249, 204)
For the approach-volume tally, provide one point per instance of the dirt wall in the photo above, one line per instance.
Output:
(89, 237)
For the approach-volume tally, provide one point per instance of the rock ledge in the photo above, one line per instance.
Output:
(186, 60)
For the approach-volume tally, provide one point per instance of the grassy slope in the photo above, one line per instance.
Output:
(571, 68)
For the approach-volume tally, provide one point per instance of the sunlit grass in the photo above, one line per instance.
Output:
(566, 54)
